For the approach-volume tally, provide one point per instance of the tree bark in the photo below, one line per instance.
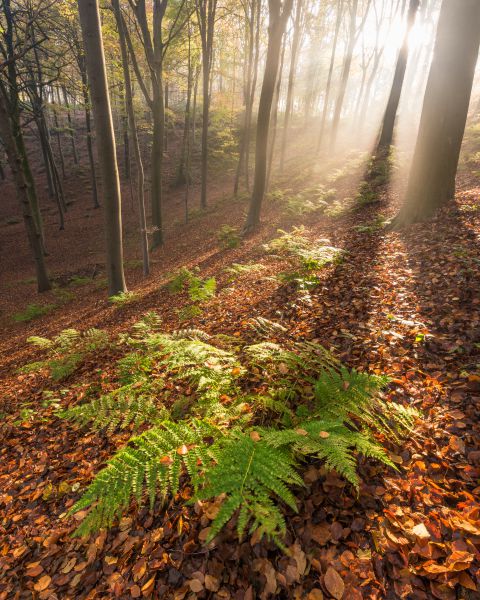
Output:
(388, 125)
(445, 108)
(276, 29)
(134, 138)
(97, 76)
(326, 102)
(12, 138)
(297, 33)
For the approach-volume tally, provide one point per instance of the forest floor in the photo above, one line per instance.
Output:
(402, 303)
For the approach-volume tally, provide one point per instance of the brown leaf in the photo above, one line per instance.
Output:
(315, 594)
(42, 583)
(421, 532)
(211, 583)
(334, 583)
(182, 450)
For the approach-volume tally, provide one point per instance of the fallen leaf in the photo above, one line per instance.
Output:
(334, 583)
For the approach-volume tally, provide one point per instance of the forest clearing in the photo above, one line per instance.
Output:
(239, 299)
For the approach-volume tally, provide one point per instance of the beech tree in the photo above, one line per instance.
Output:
(13, 140)
(445, 109)
(112, 201)
(388, 124)
(278, 17)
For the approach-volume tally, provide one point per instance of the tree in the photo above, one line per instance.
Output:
(388, 124)
(134, 136)
(296, 42)
(97, 76)
(444, 114)
(206, 11)
(12, 138)
(279, 14)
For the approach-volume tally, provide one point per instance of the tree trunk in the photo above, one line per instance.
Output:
(347, 64)
(206, 11)
(70, 126)
(95, 63)
(134, 138)
(276, 101)
(297, 32)
(388, 125)
(88, 125)
(276, 29)
(326, 103)
(445, 108)
(17, 158)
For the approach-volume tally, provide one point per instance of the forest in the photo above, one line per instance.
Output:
(239, 299)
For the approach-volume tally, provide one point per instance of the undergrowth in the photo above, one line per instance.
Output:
(306, 257)
(237, 420)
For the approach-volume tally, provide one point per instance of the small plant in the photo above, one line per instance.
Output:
(78, 281)
(375, 225)
(33, 311)
(305, 257)
(198, 289)
(189, 312)
(124, 298)
(242, 447)
(238, 269)
(228, 237)
(312, 200)
(66, 351)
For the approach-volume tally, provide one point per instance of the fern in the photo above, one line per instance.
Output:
(302, 402)
(125, 406)
(66, 351)
(249, 473)
(152, 463)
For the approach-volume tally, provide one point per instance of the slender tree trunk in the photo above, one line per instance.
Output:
(206, 11)
(251, 99)
(274, 124)
(276, 30)
(95, 63)
(445, 108)
(12, 138)
(386, 134)
(88, 125)
(134, 138)
(347, 64)
(58, 136)
(183, 174)
(70, 126)
(247, 79)
(297, 33)
(326, 102)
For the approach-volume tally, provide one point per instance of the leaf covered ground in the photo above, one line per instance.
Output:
(405, 304)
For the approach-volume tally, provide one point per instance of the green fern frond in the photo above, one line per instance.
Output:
(249, 473)
(125, 406)
(191, 334)
(151, 464)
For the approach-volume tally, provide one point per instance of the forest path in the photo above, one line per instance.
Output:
(402, 303)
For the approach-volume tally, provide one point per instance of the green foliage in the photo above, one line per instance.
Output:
(238, 269)
(207, 425)
(198, 289)
(66, 351)
(305, 256)
(189, 312)
(249, 473)
(153, 461)
(228, 237)
(124, 298)
(33, 311)
(373, 226)
(311, 200)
